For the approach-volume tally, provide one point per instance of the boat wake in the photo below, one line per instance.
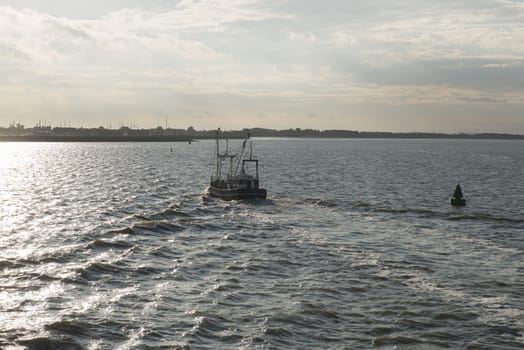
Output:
(428, 213)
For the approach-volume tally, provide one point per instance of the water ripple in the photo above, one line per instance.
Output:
(118, 246)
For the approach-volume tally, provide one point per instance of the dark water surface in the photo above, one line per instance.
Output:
(117, 246)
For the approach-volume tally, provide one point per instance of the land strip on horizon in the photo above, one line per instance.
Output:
(62, 134)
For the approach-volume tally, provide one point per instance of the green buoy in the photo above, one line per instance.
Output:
(458, 199)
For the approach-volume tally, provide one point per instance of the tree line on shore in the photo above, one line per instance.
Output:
(47, 131)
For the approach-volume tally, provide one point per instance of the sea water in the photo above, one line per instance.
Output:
(118, 246)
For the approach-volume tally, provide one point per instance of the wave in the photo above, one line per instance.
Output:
(174, 212)
(446, 215)
(395, 340)
(49, 255)
(279, 201)
(10, 264)
(360, 205)
(123, 231)
(487, 217)
(109, 244)
(45, 343)
(325, 313)
(208, 324)
(321, 202)
(162, 252)
(156, 226)
(364, 206)
(94, 269)
(76, 328)
(278, 332)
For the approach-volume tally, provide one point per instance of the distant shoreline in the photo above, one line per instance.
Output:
(47, 134)
(351, 134)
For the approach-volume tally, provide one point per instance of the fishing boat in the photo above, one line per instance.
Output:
(238, 177)
(458, 199)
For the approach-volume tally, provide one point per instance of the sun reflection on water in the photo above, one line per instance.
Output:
(17, 185)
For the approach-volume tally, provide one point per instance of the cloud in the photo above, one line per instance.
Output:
(217, 14)
(289, 57)
(302, 36)
(445, 44)
(49, 40)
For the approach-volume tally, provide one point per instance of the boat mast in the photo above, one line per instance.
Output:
(230, 156)
(218, 154)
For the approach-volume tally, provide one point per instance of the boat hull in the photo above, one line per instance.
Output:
(231, 194)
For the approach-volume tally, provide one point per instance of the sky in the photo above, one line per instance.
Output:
(377, 65)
